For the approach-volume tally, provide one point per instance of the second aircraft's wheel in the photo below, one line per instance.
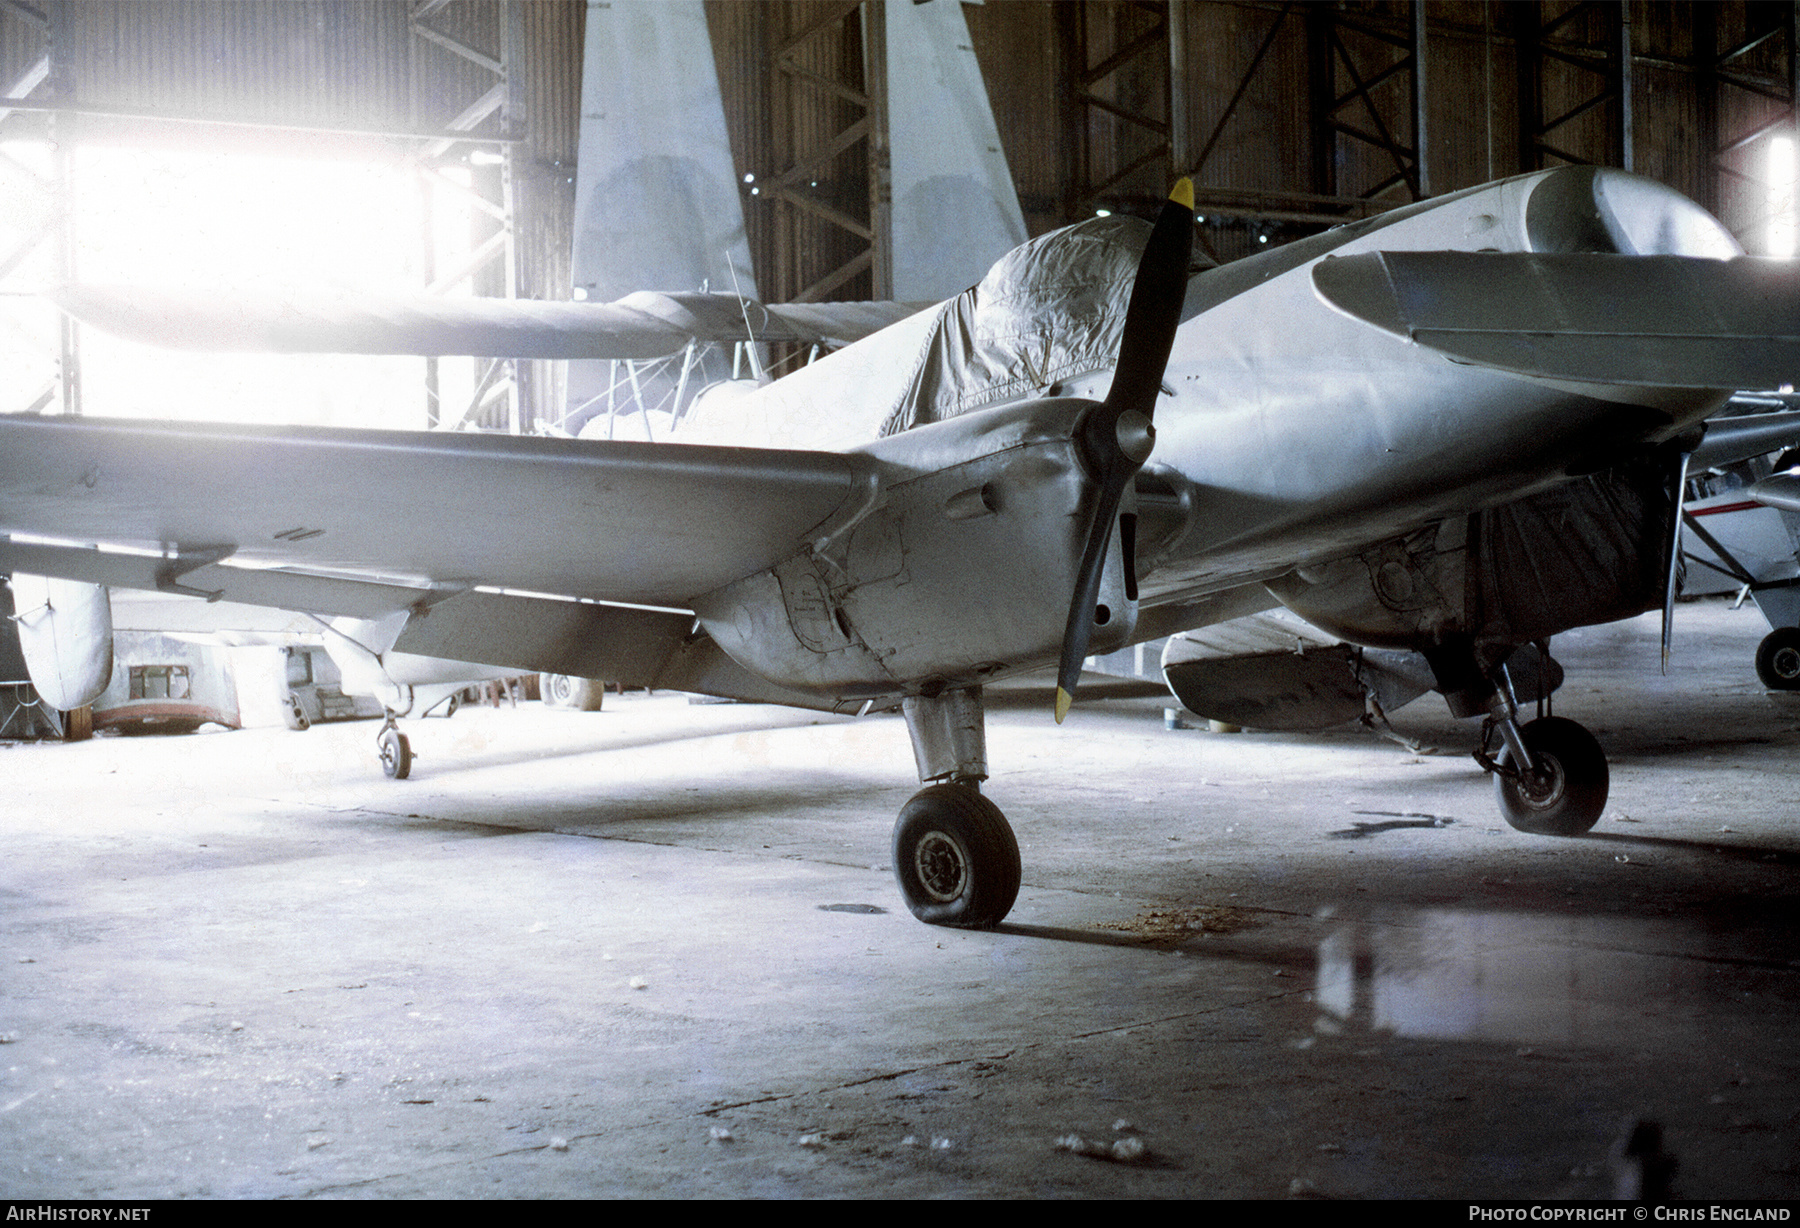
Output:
(396, 754)
(1778, 659)
(1565, 791)
(295, 715)
(956, 858)
(564, 691)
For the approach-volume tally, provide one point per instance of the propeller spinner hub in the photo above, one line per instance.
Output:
(1135, 435)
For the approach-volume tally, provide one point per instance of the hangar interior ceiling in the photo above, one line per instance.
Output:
(1289, 116)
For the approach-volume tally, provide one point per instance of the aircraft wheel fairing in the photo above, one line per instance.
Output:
(396, 754)
(1778, 659)
(1566, 792)
(956, 858)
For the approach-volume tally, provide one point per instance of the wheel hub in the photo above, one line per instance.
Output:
(942, 867)
(1542, 787)
(1787, 663)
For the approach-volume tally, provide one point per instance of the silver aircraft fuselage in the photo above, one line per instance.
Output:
(1308, 434)
(1291, 435)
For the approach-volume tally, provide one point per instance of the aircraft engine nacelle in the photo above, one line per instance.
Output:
(1589, 551)
(961, 571)
(66, 637)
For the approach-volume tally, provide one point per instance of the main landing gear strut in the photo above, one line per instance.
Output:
(1550, 775)
(954, 852)
(957, 861)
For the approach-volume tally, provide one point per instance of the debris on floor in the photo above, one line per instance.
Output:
(1166, 928)
(1129, 1150)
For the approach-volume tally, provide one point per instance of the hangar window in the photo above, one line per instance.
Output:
(217, 225)
(1784, 177)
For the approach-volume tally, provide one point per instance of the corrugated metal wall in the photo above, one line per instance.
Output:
(356, 64)
(791, 73)
(330, 68)
(1030, 49)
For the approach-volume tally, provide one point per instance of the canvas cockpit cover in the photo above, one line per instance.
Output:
(1045, 312)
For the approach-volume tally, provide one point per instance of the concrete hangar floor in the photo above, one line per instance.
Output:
(656, 950)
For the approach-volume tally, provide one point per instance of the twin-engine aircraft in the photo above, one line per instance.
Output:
(1457, 428)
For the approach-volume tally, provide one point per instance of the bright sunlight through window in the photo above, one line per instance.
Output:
(1784, 173)
(226, 223)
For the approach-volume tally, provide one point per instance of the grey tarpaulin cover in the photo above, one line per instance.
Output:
(1046, 311)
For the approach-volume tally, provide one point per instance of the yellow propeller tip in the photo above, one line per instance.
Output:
(1063, 700)
(1183, 194)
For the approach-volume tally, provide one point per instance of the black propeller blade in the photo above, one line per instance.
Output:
(1116, 436)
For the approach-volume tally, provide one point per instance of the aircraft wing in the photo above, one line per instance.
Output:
(221, 622)
(369, 522)
(639, 326)
(1637, 321)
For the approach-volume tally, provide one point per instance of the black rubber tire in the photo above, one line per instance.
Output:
(1570, 794)
(956, 858)
(396, 754)
(1778, 659)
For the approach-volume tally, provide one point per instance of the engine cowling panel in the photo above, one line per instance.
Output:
(958, 575)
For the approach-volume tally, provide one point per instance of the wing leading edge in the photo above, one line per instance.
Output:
(639, 326)
(1635, 321)
(358, 522)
